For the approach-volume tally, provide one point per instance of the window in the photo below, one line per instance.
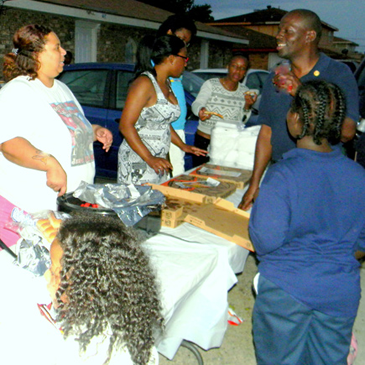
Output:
(256, 80)
(123, 79)
(87, 85)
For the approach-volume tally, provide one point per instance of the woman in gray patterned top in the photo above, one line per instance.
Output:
(150, 108)
(225, 96)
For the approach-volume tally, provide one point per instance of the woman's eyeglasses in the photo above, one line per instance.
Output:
(185, 58)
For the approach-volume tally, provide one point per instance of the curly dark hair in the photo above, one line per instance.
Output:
(322, 109)
(29, 41)
(109, 285)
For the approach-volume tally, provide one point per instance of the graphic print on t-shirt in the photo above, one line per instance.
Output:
(80, 130)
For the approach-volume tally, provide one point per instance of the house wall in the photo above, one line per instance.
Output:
(112, 39)
(222, 53)
(13, 19)
(259, 60)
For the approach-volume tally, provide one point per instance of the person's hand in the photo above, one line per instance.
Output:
(194, 150)
(249, 197)
(104, 136)
(202, 115)
(287, 82)
(56, 176)
(160, 165)
(250, 99)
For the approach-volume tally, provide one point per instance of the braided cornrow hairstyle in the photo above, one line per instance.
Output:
(109, 287)
(28, 42)
(322, 109)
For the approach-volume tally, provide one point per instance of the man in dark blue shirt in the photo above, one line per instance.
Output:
(298, 38)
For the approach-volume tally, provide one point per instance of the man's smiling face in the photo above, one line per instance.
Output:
(292, 36)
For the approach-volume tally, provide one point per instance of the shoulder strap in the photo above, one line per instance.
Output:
(159, 93)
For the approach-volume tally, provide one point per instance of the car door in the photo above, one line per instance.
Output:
(119, 84)
(89, 86)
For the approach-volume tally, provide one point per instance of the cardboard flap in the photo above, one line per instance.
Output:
(230, 224)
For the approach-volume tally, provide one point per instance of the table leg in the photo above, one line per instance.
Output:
(190, 346)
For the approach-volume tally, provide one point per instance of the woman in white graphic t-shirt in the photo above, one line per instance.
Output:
(42, 126)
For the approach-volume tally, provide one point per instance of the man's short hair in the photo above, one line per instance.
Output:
(311, 19)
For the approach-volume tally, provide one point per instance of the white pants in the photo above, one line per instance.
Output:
(177, 155)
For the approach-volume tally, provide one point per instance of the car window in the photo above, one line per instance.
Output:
(210, 75)
(192, 83)
(255, 80)
(87, 85)
(123, 78)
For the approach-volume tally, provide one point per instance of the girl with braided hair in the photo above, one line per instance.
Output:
(104, 293)
(306, 225)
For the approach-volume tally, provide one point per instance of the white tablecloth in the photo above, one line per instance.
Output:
(194, 268)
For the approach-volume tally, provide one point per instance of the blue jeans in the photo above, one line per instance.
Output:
(287, 332)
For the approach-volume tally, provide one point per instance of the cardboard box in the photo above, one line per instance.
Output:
(224, 220)
(220, 217)
(239, 177)
(200, 185)
(178, 204)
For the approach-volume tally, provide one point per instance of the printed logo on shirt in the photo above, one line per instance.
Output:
(80, 130)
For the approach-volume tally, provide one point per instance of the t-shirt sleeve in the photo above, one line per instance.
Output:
(203, 97)
(17, 102)
(270, 215)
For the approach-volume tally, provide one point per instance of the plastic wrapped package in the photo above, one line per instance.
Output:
(130, 202)
(233, 145)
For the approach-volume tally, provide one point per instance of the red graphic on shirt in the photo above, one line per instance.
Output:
(80, 130)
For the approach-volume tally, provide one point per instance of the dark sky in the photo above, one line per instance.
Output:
(348, 16)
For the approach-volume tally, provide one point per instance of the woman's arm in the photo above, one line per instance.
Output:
(176, 140)
(21, 152)
(202, 99)
(141, 94)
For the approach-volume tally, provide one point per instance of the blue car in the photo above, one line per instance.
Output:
(101, 89)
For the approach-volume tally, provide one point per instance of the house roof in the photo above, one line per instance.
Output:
(257, 41)
(269, 15)
(129, 12)
(338, 40)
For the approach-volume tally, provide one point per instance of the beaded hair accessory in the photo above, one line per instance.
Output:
(15, 51)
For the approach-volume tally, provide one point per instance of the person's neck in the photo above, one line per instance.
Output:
(228, 84)
(307, 143)
(162, 79)
(46, 81)
(303, 64)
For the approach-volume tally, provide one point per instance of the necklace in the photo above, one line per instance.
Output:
(168, 84)
(227, 87)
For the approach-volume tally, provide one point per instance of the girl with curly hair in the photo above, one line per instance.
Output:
(103, 291)
(306, 225)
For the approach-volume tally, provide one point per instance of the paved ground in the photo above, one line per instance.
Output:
(237, 347)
